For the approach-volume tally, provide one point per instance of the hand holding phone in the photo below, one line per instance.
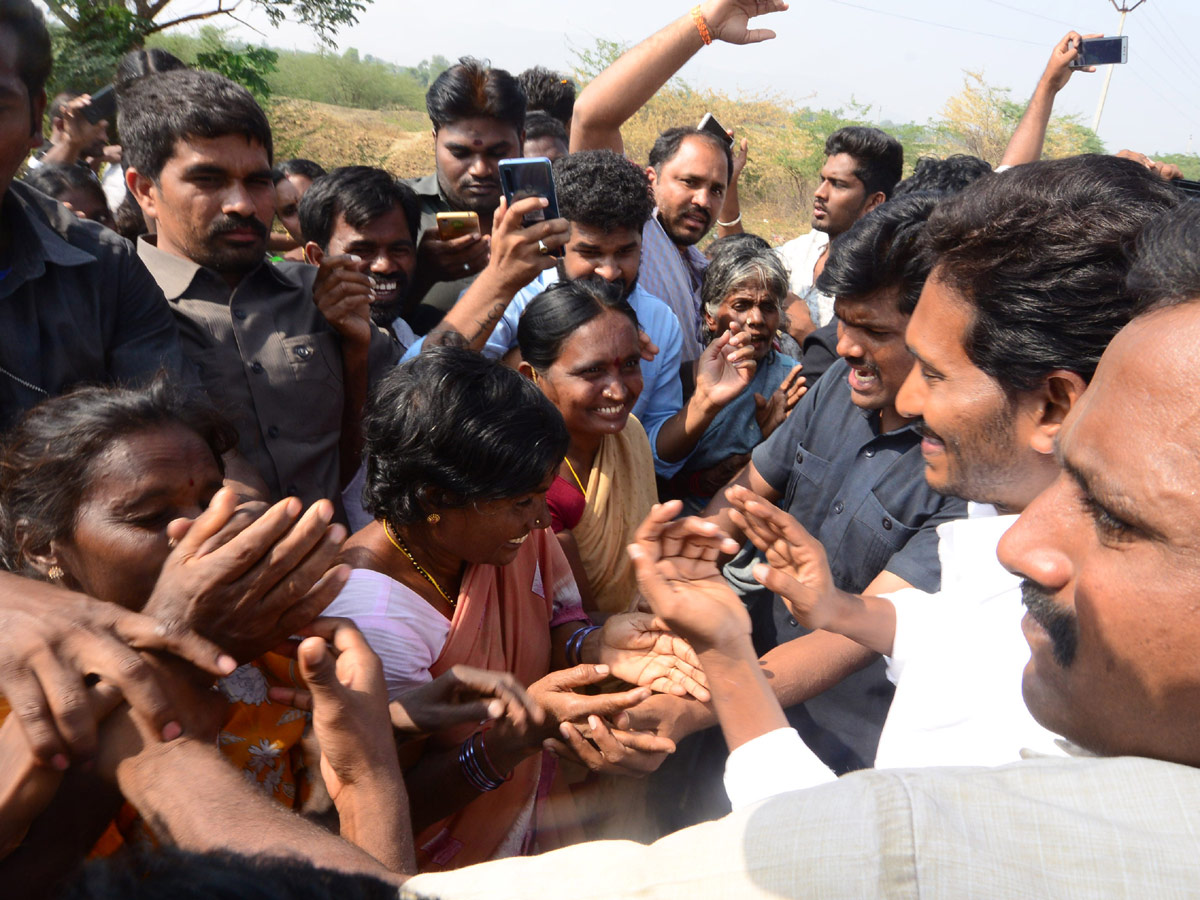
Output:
(710, 124)
(103, 105)
(1101, 51)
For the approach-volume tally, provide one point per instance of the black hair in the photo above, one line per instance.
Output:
(167, 873)
(472, 89)
(55, 180)
(878, 157)
(883, 249)
(142, 62)
(561, 310)
(948, 176)
(603, 190)
(540, 124)
(34, 57)
(298, 166)
(548, 92)
(449, 428)
(1040, 255)
(667, 144)
(360, 194)
(155, 113)
(1166, 270)
(45, 462)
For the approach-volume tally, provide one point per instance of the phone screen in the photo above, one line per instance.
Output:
(534, 177)
(103, 105)
(1102, 51)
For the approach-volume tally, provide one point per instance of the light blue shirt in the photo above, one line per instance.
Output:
(662, 391)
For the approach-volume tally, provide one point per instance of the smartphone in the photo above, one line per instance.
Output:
(451, 225)
(1103, 51)
(103, 105)
(533, 177)
(712, 126)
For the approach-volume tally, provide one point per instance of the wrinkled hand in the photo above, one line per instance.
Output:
(348, 699)
(725, 368)
(797, 568)
(53, 638)
(603, 747)
(677, 572)
(517, 258)
(464, 694)
(439, 260)
(264, 581)
(729, 20)
(343, 295)
(770, 414)
(1066, 51)
(640, 649)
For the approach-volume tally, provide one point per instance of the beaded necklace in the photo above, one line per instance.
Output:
(399, 544)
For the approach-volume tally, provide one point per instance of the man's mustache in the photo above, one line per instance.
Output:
(1059, 621)
(227, 223)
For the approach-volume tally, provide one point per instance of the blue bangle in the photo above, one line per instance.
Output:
(575, 644)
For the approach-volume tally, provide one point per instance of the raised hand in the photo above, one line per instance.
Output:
(729, 20)
(797, 568)
(677, 572)
(725, 368)
(771, 413)
(343, 295)
(640, 649)
(1066, 51)
(740, 154)
(54, 638)
(260, 585)
(464, 694)
(518, 256)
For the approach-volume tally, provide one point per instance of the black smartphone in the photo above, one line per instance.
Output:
(533, 177)
(1105, 51)
(103, 105)
(710, 124)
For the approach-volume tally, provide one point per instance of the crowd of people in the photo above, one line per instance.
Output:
(360, 557)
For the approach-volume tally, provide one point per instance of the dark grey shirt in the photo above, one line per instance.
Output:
(444, 294)
(863, 495)
(76, 306)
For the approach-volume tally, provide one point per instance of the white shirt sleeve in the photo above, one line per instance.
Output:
(773, 763)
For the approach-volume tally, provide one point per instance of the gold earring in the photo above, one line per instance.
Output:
(433, 518)
(54, 573)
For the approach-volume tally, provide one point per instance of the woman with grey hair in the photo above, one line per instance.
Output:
(744, 286)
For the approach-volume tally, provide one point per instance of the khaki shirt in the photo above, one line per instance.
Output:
(269, 360)
(444, 294)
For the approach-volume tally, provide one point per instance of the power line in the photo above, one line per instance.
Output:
(1029, 12)
(895, 15)
(1160, 40)
(1173, 35)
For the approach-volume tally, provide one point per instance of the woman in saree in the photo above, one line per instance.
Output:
(458, 567)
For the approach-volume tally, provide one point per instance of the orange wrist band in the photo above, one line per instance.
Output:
(701, 25)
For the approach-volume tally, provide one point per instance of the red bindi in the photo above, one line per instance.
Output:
(191, 483)
(478, 143)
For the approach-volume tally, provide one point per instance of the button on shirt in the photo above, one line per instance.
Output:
(863, 495)
(442, 295)
(76, 305)
(269, 360)
(674, 275)
(662, 391)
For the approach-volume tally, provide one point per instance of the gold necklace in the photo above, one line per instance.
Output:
(399, 544)
(567, 460)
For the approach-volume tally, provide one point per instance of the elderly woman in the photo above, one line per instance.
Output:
(744, 285)
(458, 567)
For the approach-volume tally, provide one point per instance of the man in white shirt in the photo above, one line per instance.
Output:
(1048, 297)
(862, 166)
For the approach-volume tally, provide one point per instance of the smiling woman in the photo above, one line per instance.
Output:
(458, 568)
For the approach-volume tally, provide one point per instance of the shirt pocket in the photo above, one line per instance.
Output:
(315, 364)
(875, 536)
(809, 474)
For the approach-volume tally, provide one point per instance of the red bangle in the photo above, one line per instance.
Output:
(701, 25)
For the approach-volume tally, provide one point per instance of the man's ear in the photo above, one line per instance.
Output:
(1060, 391)
(313, 253)
(144, 191)
(652, 175)
(873, 201)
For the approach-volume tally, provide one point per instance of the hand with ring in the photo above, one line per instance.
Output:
(521, 252)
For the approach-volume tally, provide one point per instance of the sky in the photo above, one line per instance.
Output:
(902, 59)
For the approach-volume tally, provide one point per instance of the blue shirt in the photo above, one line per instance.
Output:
(662, 392)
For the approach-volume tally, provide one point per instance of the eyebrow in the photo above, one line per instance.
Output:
(600, 363)
(922, 361)
(459, 145)
(1112, 502)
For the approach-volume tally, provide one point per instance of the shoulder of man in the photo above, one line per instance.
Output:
(83, 234)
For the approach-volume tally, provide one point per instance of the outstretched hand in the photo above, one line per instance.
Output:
(726, 367)
(770, 413)
(676, 565)
(640, 649)
(729, 20)
(797, 568)
(1066, 51)
(464, 694)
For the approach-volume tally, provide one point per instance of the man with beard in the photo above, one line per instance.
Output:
(605, 200)
(361, 224)
(478, 116)
(689, 168)
(1008, 331)
(280, 348)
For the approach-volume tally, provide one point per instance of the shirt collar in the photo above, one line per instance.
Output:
(177, 275)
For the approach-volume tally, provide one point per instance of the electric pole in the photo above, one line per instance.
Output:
(1124, 9)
